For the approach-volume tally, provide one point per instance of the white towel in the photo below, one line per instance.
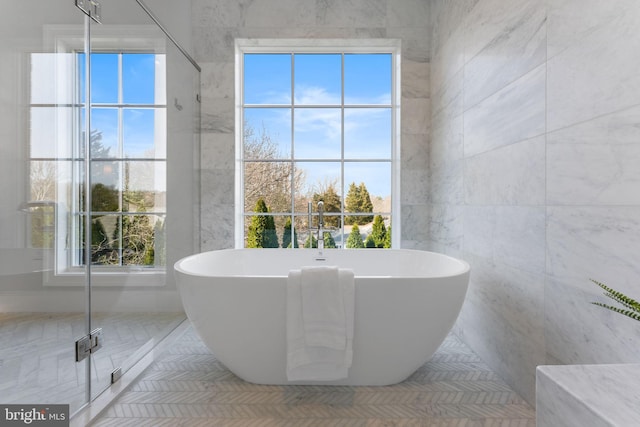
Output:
(320, 313)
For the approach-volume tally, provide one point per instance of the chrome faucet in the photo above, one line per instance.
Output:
(320, 226)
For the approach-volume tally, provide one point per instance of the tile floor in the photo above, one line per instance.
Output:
(187, 386)
(37, 353)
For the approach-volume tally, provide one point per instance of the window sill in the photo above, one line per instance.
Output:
(134, 277)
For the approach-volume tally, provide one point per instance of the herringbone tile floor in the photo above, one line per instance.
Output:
(188, 387)
(37, 352)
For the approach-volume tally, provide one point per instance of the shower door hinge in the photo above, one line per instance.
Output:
(91, 8)
(116, 374)
(88, 344)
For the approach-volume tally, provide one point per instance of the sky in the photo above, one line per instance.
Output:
(138, 134)
(138, 87)
(316, 80)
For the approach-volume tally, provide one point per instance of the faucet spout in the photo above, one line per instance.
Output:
(320, 226)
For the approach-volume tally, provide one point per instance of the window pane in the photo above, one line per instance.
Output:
(261, 231)
(104, 240)
(317, 133)
(267, 133)
(267, 78)
(43, 179)
(269, 182)
(139, 78)
(144, 133)
(104, 133)
(143, 240)
(51, 132)
(320, 178)
(104, 78)
(144, 188)
(105, 186)
(364, 183)
(367, 79)
(367, 133)
(49, 83)
(318, 79)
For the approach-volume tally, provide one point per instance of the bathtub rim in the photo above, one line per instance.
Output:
(464, 265)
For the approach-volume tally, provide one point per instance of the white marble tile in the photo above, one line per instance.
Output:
(511, 235)
(577, 331)
(415, 224)
(414, 152)
(216, 14)
(594, 242)
(415, 79)
(447, 59)
(270, 14)
(446, 141)
(213, 43)
(595, 162)
(408, 13)
(593, 395)
(217, 226)
(503, 41)
(446, 183)
(217, 151)
(503, 304)
(447, 17)
(444, 227)
(217, 79)
(598, 74)
(511, 175)
(513, 114)
(351, 13)
(217, 114)
(218, 186)
(415, 41)
(414, 186)
(566, 27)
(447, 99)
(415, 112)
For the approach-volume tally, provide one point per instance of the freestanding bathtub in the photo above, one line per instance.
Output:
(406, 302)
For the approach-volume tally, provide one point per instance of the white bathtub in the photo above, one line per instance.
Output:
(406, 302)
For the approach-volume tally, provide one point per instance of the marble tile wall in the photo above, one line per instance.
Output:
(216, 24)
(533, 175)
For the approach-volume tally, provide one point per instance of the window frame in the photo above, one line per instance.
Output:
(69, 40)
(320, 46)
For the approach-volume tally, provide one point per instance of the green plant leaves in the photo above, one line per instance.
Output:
(630, 307)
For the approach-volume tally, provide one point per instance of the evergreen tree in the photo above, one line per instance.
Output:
(286, 235)
(329, 243)
(387, 238)
(355, 240)
(311, 241)
(352, 204)
(378, 232)
(369, 242)
(358, 200)
(365, 204)
(332, 203)
(262, 230)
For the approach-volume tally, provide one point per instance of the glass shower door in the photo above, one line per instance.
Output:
(143, 125)
(43, 308)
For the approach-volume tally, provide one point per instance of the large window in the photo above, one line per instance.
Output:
(317, 124)
(128, 152)
(128, 158)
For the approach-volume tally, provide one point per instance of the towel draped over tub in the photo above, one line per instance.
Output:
(320, 315)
